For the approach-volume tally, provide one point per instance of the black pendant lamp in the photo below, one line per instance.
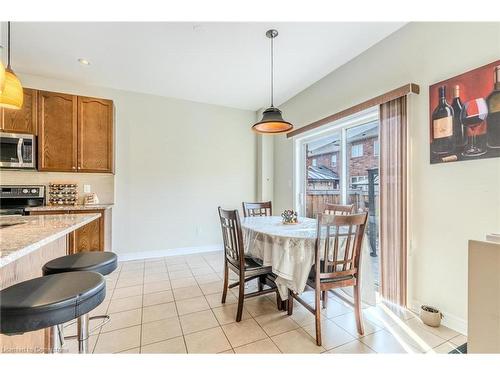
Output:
(272, 122)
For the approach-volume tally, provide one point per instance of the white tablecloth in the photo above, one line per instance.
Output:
(289, 250)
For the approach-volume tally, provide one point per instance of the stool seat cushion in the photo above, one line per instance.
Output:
(49, 300)
(96, 261)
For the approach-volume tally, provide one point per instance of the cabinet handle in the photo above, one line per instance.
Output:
(73, 167)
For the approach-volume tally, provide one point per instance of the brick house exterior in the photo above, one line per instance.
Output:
(329, 156)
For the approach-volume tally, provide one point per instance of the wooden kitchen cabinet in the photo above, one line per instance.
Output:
(89, 237)
(57, 132)
(22, 120)
(75, 133)
(95, 236)
(95, 135)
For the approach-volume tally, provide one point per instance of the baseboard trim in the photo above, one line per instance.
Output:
(449, 320)
(168, 252)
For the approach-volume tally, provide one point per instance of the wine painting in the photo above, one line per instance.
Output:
(465, 116)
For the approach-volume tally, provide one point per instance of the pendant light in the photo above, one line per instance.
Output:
(12, 93)
(272, 122)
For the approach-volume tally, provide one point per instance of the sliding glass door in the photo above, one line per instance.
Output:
(340, 164)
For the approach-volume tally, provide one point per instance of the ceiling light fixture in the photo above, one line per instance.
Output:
(83, 61)
(12, 93)
(272, 122)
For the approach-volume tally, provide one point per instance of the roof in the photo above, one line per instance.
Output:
(354, 134)
(325, 149)
(321, 173)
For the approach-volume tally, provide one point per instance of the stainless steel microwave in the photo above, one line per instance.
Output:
(17, 151)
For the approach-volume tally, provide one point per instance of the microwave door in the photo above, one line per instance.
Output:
(9, 151)
(17, 150)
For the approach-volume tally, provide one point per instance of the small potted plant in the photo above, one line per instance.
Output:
(289, 217)
(430, 316)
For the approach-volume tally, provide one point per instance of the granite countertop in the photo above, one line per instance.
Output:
(78, 207)
(32, 232)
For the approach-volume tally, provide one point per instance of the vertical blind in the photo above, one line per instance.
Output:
(393, 200)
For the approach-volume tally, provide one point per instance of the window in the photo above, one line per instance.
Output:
(357, 150)
(334, 160)
(359, 180)
(376, 148)
(314, 162)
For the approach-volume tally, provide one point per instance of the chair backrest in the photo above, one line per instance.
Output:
(232, 236)
(338, 209)
(338, 245)
(257, 209)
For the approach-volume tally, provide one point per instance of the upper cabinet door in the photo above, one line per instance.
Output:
(95, 135)
(57, 132)
(22, 120)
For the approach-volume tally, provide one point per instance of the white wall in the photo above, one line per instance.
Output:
(176, 161)
(449, 203)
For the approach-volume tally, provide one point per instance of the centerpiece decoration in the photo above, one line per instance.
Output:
(289, 217)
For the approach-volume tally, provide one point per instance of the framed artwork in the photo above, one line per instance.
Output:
(465, 116)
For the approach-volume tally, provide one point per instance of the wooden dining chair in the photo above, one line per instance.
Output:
(338, 209)
(337, 262)
(257, 209)
(246, 267)
(335, 209)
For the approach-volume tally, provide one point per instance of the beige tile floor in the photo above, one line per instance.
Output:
(172, 305)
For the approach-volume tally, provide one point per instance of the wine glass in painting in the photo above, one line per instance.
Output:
(473, 116)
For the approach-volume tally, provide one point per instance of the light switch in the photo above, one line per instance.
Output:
(86, 188)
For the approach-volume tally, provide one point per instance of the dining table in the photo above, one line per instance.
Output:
(290, 250)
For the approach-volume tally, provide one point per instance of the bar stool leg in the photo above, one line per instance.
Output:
(60, 330)
(55, 339)
(83, 334)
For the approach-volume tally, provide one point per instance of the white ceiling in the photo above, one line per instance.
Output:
(219, 63)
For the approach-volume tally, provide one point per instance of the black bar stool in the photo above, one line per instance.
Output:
(49, 301)
(95, 261)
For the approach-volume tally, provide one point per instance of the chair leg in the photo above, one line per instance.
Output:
(357, 310)
(324, 297)
(290, 302)
(260, 286)
(278, 301)
(241, 297)
(317, 314)
(226, 281)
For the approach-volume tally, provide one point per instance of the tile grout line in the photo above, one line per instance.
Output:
(142, 306)
(107, 308)
(220, 325)
(176, 309)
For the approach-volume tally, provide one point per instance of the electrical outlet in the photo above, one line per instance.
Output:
(86, 189)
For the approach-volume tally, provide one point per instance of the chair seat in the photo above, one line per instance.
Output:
(49, 300)
(311, 281)
(252, 263)
(312, 276)
(101, 262)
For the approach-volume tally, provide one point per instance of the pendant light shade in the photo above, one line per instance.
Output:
(272, 121)
(12, 94)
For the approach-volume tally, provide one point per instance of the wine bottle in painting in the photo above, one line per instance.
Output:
(458, 128)
(493, 102)
(443, 141)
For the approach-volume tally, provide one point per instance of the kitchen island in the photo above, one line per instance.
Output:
(26, 244)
